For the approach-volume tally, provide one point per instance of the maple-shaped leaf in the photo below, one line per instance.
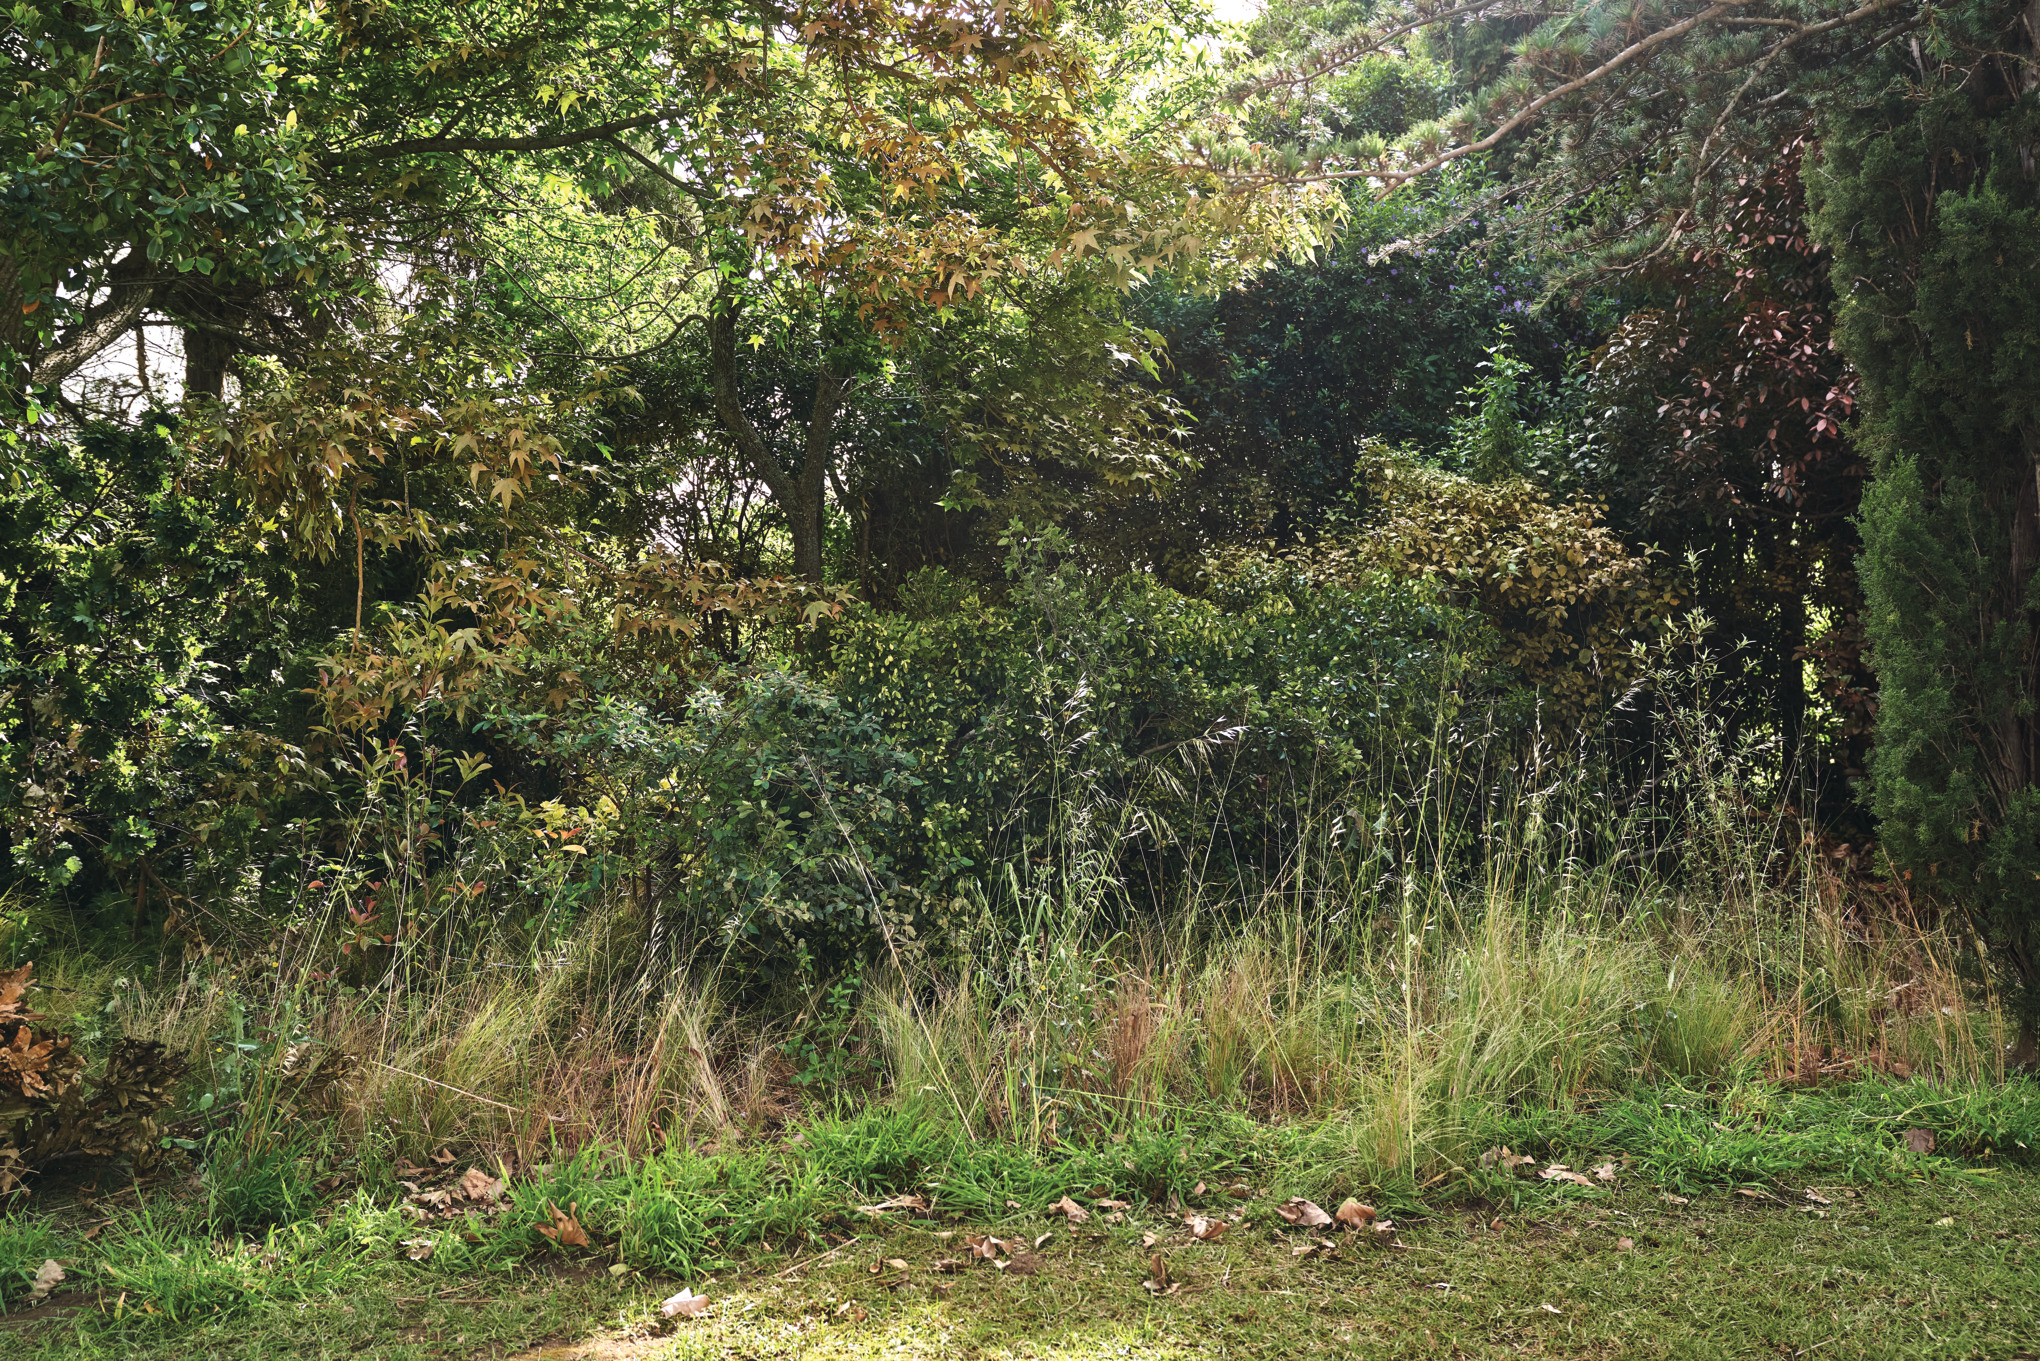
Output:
(565, 1228)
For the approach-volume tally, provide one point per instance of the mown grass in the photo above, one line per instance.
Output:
(1936, 1264)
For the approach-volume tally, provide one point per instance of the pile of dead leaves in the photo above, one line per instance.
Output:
(1519, 1165)
(50, 1109)
(436, 1195)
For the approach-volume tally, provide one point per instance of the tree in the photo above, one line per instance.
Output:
(1926, 194)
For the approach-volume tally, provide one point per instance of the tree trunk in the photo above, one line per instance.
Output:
(798, 491)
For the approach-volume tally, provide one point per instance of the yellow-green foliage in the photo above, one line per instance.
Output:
(1567, 596)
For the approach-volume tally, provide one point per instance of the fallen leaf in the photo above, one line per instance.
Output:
(1297, 1210)
(1945, 1222)
(1624, 1244)
(619, 1269)
(1157, 1282)
(1549, 1308)
(1147, 1240)
(444, 1157)
(947, 1264)
(48, 1278)
(686, 1304)
(1674, 1200)
(419, 1249)
(1379, 1234)
(894, 1203)
(1816, 1197)
(1746, 1191)
(896, 1263)
(1501, 1157)
(1605, 1172)
(984, 1246)
(1919, 1140)
(1044, 1238)
(1077, 1213)
(851, 1310)
(476, 1184)
(1205, 1230)
(1110, 1204)
(1022, 1263)
(1559, 1172)
(1354, 1215)
(565, 1229)
(1198, 1189)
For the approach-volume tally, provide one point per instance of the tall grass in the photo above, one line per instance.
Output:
(1404, 996)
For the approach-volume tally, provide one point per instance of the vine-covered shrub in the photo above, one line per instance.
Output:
(1566, 597)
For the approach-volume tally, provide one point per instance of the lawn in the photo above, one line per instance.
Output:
(1943, 1264)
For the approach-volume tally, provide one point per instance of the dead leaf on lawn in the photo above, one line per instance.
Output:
(419, 1249)
(983, 1245)
(1306, 1213)
(1022, 1263)
(686, 1304)
(1624, 1244)
(1559, 1172)
(1044, 1238)
(1919, 1140)
(1110, 1204)
(1605, 1172)
(444, 1157)
(565, 1229)
(1147, 1240)
(476, 1184)
(1816, 1197)
(1508, 1161)
(47, 1278)
(1379, 1234)
(1205, 1230)
(1671, 1199)
(1354, 1215)
(949, 1264)
(1746, 1192)
(851, 1310)
(1077, 1213)
(894, 1203)
(1158, 1282)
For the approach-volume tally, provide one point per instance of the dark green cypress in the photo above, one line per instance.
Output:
(1926, 192)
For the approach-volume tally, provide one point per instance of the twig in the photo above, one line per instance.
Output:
(817, 1261)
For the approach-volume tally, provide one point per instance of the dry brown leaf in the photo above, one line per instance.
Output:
(1508, 1161)
(565, 1229)
(476, 1184)
(1816, 1197)
(1148, 1239)
(1624, 1244)
(1198, 1189)
(984, 1246)
(1022, 1263)
(1077, 1213)
(1354, 1215)
(1109, 1204)
(1379, 1234)
(1605, 1172)
(419, 1249)
(444, 1157)
(896, 1263)
(895, 1203)
(1671, 1199)
(1158, 1282)
(47, 1278)
(948, 1264)
(1559, 1172)
(1205, 1230)
(686, 1304)
(851, 1310)
(1919, 1140)
(1297, 1210)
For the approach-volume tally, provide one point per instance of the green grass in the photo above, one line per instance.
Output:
(1933, 1266)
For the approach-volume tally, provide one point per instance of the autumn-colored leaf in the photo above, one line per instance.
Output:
(1919, 1140)
(476, 1184)
(565, 1228)
(1299, 1211)
(1205, 1230)
(1354, 1215)
(1076, 1213)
